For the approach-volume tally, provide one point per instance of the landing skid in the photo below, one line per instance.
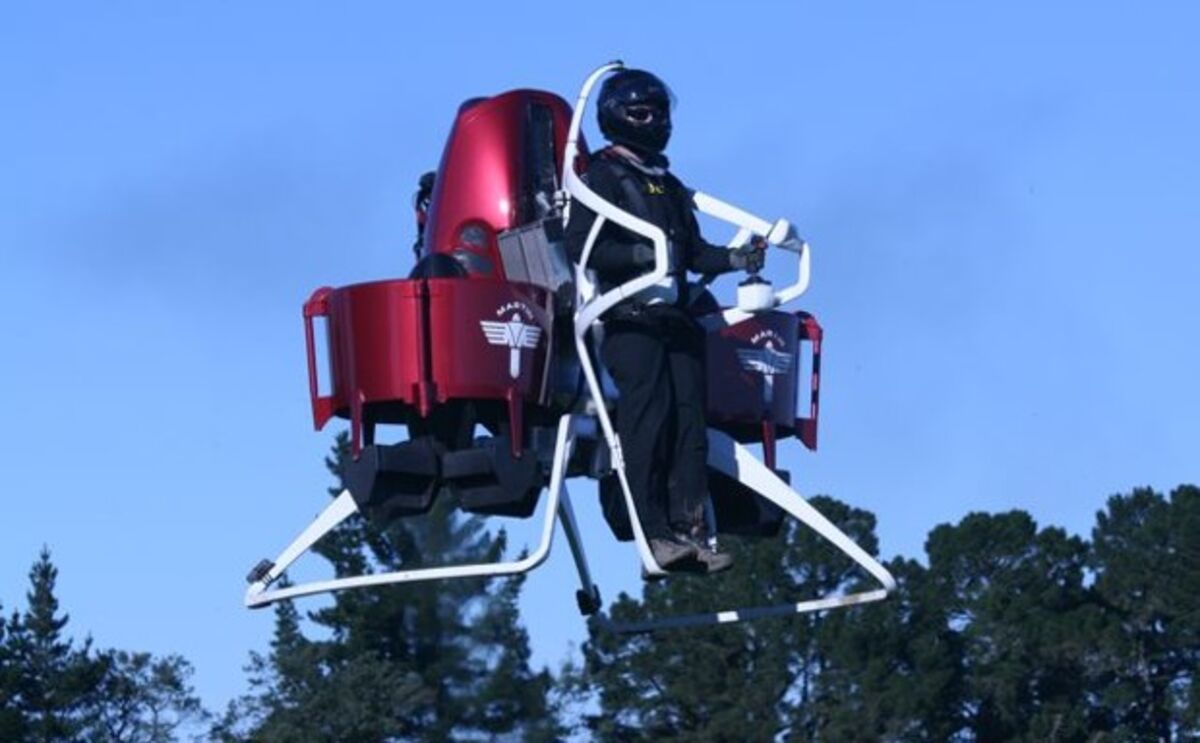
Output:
(725, 454)
(260, 594)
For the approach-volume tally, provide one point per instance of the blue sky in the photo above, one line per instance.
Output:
(1002, 201)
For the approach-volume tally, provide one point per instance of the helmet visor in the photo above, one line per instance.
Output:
(635, 87)
(661, 95)
(647, 113)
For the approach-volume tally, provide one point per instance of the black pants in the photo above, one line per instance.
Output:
(656, 357)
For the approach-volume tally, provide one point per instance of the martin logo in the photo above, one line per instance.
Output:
(516, 333)
(769, 358)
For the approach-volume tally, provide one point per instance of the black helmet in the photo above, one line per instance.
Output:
(635, 110)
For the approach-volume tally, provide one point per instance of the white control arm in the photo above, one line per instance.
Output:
(780, 234)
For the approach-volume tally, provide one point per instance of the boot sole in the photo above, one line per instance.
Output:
(686, 556)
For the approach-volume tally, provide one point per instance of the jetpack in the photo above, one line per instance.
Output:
(494, 332)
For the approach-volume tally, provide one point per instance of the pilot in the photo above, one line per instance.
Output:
(653, 347)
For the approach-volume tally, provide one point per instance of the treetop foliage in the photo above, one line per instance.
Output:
(1007, 631)
(53, 689)
(1011, 631)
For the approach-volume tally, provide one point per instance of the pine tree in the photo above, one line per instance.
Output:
(753, 681)
(894, 669)
(818, 568)
(1002, 637)
(1146, 554)
(306, 690)
(429, 661)
(12, 720)
(1016, 601)
(704, 684)
(53, 690)
(54, 679)
(141, 699)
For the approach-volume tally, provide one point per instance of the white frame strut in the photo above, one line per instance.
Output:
(260, 594)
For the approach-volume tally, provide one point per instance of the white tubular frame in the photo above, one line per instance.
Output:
(259, 593)
(591, 308)
(724, 453)
(781, 234)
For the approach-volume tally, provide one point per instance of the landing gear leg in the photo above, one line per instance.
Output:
(587, 597)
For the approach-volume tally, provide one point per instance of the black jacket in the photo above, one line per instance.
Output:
(661, 200)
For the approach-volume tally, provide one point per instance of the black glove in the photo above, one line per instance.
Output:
(750, 257)
(643, 255)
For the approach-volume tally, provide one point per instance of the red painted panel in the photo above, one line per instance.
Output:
(481, 173)
(375, 343)
(489, 339)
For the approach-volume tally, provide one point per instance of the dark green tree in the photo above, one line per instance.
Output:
(52, 689)
(816, 568)
(430, 661)
(141, 699)
(894, 669)
(1146, 555)
(12, 721)
(54, 679)
(1020, 633)
(745, 682)
(1012, 632)
(316, 690)
(1026, 622)
(304, 690)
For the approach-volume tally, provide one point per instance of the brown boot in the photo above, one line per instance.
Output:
(711, 560)
(669, 552)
